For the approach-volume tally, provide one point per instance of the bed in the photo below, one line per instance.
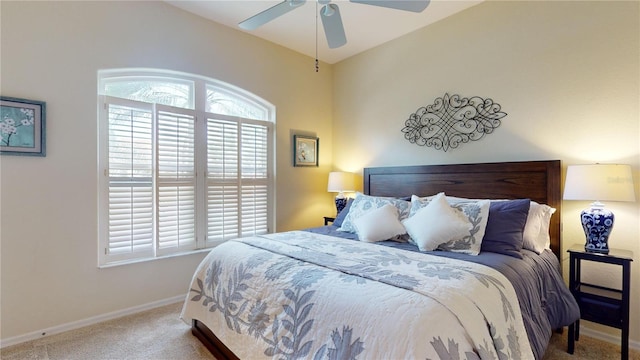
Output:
(321, 293)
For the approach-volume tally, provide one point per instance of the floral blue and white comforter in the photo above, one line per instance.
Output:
(304, 295)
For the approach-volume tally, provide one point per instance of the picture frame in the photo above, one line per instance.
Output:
(22, 127)
(305, 150)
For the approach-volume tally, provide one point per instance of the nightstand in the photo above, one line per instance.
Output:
(328, 219)
(603, 305)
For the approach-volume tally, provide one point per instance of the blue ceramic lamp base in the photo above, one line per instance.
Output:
(597, 223)
(340, 204)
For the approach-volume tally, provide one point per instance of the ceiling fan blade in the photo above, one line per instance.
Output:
(406, 5)
(332, 24)
(271, 13)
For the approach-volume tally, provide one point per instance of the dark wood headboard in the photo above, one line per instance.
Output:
(536, 180)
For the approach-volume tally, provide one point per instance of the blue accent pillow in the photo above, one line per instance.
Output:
(503, 234)
(343, 214)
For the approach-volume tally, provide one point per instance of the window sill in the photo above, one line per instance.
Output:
(168, 256)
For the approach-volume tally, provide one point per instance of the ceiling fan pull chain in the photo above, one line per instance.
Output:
(317, 66)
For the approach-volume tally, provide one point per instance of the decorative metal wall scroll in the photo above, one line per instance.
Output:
(452, 120)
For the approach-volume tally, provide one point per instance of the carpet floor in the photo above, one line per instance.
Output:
(159, 334)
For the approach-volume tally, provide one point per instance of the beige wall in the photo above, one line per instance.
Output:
(51, 51)
(566, 73)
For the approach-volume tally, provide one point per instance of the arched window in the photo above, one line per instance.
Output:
(186, 162)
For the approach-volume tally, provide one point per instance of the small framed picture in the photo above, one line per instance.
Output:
(22, 127)
(305, 150)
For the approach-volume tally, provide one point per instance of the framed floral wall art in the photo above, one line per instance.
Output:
(305, 150)
(22, 126)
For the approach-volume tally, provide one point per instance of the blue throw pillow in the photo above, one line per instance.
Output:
(504, 230)
(343, 214)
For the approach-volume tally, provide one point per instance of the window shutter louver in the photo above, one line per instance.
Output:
(222, 149)
(236, 200)
(254, 151)
(176, 180)
(130, 173)
(222, 180)
(130, 218)
(254, 167)
(222, 212)
(254, 210)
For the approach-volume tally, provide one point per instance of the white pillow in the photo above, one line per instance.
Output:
(436, 224)
(476, 213)
(379, 224)
(365, 203)
(536, 230)
(544, 229)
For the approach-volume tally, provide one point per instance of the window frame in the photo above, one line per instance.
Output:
(201, 85)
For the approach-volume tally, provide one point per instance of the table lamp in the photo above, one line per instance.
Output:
(598, 182)
(341, 182)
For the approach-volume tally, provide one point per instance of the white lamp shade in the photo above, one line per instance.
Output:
(599, 182)
(341, 182)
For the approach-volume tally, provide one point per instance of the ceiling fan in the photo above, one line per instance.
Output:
(330, 14)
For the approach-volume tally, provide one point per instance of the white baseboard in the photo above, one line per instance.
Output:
(86, 322)
(613, 339)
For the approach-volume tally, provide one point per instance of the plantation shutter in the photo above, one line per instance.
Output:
(185, 163)
(254, 179)
(130, 179)
(222, 180)
(176, 179)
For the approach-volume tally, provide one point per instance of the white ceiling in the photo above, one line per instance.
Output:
(365, 26)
